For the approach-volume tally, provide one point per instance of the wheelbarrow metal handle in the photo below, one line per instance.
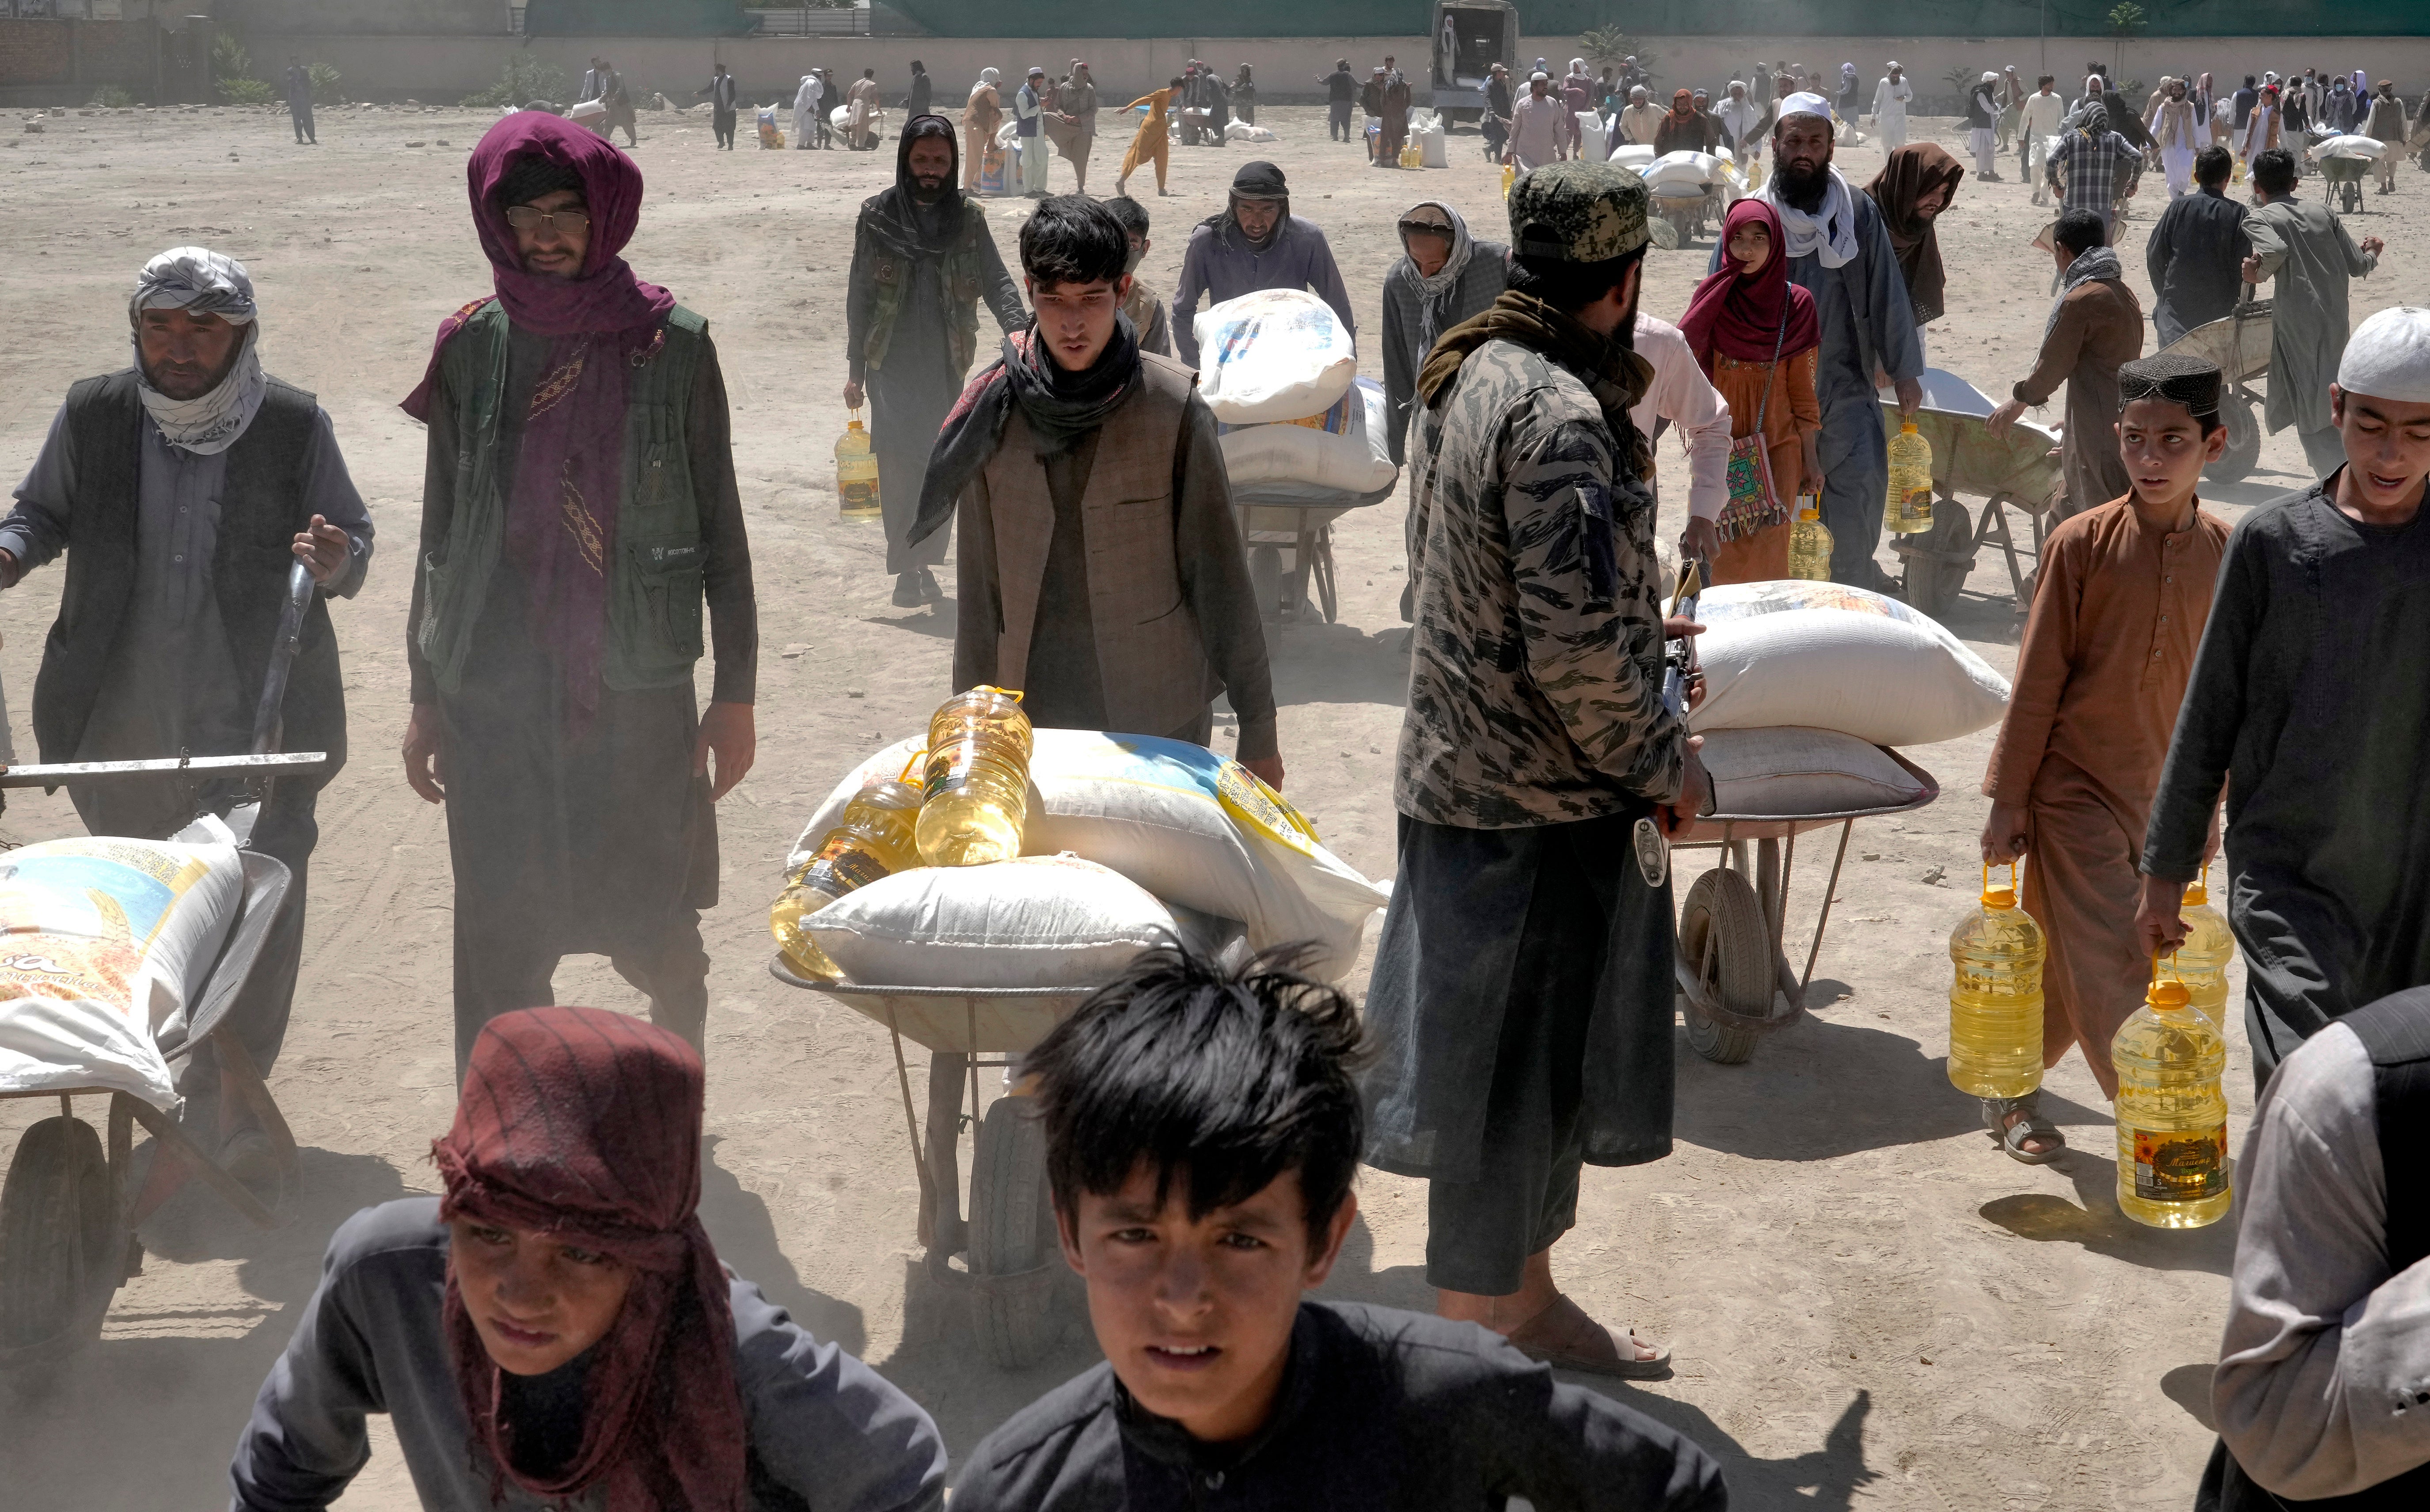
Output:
(299, 588)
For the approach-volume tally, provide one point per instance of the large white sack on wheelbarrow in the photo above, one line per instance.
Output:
(1041, 921)
(1834, 657)
(1692, 169)
(2349, 145)
(1193, 827)
(102, 942)
(1278, 353)
(1336, 450)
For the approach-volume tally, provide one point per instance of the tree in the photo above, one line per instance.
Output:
(2126, 19)
(524, 80)
(1611, 46)
(232, 70)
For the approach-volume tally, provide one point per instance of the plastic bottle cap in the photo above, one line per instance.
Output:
(2167, 994)
(2002, 897)
(2196, 894)
(1810, 512)
(1906, 426)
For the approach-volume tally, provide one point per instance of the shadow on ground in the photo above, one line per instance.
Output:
(2094, 1222)
(2188, 1386)
(117, 1425)
(1320, 663)
(745, 1238)
(1824, 1479)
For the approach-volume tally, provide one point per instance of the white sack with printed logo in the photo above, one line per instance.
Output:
(1834, 657)
(1278, 353)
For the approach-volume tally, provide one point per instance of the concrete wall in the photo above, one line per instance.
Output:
(76, 54)
(443, 68)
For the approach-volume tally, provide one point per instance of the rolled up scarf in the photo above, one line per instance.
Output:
(1059, 407)
(601, 325)
(1436, 291)
(585, 1125)
(201, 282)
(2099, 264)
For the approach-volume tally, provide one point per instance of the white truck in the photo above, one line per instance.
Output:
(1470, 37)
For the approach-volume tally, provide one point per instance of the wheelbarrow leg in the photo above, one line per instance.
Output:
(1303, 561)
(122, 1150)
(173, 1141)
(236, 1070)
(1995, 528)
(946, 1232)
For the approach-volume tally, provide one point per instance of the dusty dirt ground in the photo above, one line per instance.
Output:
(1869, 1304)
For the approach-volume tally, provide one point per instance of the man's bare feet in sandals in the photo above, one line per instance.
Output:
(2024, 1134)
(1565, 1338)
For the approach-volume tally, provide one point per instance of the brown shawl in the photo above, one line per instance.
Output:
(1914, 170)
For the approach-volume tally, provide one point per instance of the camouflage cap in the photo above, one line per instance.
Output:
(1578, 212)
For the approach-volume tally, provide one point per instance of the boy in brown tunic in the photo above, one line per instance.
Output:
(2095, 325)
(2118, 610)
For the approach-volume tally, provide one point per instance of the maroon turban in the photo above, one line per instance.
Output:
(585, 1125)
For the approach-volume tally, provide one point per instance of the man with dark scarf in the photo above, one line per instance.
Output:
(578, 502)
(556, 1328)
(1916, 184)
(1101, 569)
(1255, 242)
(1522, 998)
(922, 261)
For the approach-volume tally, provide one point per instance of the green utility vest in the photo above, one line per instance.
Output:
(653, 577)
(959, 271)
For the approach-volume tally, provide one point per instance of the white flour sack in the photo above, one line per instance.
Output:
(1832, 658)
(102, 941)
(1193, 827)
(1337, 450)
(1280, 354)
(1041, 921)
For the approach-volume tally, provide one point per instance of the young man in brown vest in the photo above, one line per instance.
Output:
(1101, 569)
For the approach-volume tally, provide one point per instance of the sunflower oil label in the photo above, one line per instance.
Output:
(848, 862)
(2180, 1166)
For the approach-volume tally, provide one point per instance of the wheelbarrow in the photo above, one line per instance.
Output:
(2238, 345)
(1011, 1257)
(2019, 470)
(1735, 982)
(1287, 529)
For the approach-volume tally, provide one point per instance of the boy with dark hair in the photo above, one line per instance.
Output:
(1100, 568)
(1202, 1130)
(1522, 998)
(1143, 304)
(2094, 326)
(2118, 609)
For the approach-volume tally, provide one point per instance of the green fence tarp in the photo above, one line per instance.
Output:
(637, 18)
(1677, 18)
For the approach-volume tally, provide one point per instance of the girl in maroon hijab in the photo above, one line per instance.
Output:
(1757, 335)
(558, 1328)
(579, 504)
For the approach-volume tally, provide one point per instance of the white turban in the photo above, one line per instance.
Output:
(1991, 79)
(1805, 103)
(2389, 356)
(201, 282)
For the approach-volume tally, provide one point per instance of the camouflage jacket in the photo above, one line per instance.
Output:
(1536, 679)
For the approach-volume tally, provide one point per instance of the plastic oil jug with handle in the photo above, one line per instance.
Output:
(1907, 506)
(874, 839)
(1510, 176)
(978, 782)
(1995, 1001)
(1809, 542)
(2201, 961)
(855, 472)
(2171, 1113)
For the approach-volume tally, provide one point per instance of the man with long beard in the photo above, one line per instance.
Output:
(183, 490)
(1841, 252)
(578, 506)
(922, 263)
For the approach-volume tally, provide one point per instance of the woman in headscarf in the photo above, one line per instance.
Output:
(556, 1329)
(1684, 128)
(806, 110)
(1755, 334)
(1442, 278)
(1913, 188)
(980, 118)
(558, 593)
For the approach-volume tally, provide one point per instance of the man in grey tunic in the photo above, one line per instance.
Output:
(1255, 242)
(2307, 701)
(182, 490)
(1840, 253)
(2308, 250)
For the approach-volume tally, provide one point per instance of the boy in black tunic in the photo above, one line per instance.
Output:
(1201, 1128)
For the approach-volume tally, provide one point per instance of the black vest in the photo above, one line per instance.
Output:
(261, 508)
(2395, 1031)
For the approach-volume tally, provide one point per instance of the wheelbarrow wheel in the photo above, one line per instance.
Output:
(1012, 1252)
(60, 1243)
(1723, 940)
(2243, 441)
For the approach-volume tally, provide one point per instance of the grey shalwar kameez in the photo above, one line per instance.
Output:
(1868, 321)
(2307, 699)
(2303, 245)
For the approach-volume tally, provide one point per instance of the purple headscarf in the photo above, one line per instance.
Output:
(561, 514)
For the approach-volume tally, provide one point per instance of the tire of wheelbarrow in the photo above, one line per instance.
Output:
(1722, 907)
(2243, 442)
(60, 1243)
(1012, 1248)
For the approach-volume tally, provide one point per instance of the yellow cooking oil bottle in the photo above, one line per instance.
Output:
(1906, 506)
(977, 785)
(1995, 1003)
(873, 838)
(2172, 1114)
(1510, 176)
(1809, 542)
(2202, 961)
(1411, 156)
(855, 472)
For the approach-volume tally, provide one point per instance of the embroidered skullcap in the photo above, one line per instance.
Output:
(2174, 378)
(2389, 356)
(1805, 103)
